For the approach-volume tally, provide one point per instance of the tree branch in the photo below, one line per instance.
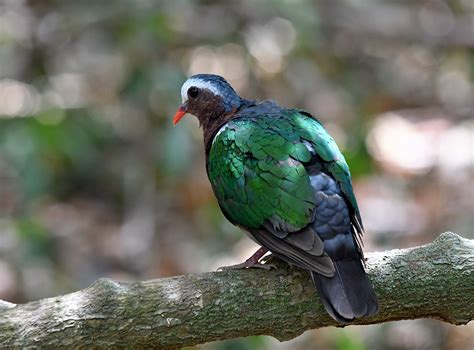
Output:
(435, 280)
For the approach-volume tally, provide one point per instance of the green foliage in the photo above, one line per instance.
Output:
(347, 340)
(50, 150)
(36, 239)
(248, 343)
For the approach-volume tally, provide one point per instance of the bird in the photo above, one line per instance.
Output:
(279, 175)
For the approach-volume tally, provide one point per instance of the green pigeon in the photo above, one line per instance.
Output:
(279, 175)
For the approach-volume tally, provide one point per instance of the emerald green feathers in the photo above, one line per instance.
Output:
(256, 167)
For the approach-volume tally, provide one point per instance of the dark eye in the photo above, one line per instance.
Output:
(193, 92)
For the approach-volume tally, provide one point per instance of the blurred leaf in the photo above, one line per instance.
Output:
(348, 340)
(36, 238)
(248, 343)
(48, 156)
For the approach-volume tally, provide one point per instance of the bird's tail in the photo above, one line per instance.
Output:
(348, 294)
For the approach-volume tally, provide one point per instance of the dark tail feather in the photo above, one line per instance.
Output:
(348, 294)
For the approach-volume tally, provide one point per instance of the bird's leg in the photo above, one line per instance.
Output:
(253, 261)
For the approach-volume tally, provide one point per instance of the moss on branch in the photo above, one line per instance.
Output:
(434, 280)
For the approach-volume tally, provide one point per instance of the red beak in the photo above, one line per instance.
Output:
(179, 114)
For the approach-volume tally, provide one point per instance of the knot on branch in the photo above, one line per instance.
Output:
(450, 238)
(107, 285)
(6, 305)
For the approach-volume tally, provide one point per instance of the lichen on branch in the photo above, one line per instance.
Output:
(434, 280)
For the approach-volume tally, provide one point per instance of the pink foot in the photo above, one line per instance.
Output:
(252, 262)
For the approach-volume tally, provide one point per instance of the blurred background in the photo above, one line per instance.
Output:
(96, 181)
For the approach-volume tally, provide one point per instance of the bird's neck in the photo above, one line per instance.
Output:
(211, 125)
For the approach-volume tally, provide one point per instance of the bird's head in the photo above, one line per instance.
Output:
(207, 96)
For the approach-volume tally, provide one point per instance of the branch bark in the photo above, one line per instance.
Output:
(435, 280)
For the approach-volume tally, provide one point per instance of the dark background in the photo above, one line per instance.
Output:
(96, 182)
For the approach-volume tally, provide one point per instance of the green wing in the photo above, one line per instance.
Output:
(258, 176)
(256, 167)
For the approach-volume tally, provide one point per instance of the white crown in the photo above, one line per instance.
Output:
(201, 84)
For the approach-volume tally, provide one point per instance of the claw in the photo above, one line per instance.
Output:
(247, 265)
(269, 260)
(252, 262)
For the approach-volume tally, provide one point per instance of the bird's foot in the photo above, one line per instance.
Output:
(247, 265)
(252, 262)
(270, 259)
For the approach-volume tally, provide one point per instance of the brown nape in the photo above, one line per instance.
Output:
(213, 125)
(211, 113)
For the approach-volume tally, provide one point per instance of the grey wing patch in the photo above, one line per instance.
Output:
(332, 220)
(331, 216)
(307, 240)
(310, 257)
(310, 148)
